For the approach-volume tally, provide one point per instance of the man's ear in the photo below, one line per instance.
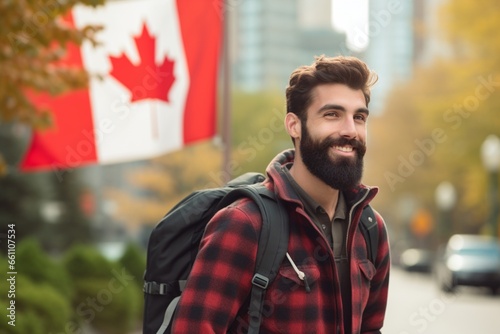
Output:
(293, 125)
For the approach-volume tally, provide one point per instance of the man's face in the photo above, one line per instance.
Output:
(333, 138)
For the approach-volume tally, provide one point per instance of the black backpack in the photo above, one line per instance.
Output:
(173, 246)
(174, 242)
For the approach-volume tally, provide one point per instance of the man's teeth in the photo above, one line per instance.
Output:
(344, 148)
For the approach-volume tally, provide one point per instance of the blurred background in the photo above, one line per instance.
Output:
(433, 150)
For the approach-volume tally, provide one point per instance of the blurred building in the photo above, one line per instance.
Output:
(316, 33)
(315, 14)
(402, 35)
(393, 44)
(271, 38)
(434, 46)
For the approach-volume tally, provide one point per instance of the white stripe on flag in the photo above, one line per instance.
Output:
(125, 129)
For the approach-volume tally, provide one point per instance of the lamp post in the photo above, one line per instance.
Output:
(490, 153)
(446, 196)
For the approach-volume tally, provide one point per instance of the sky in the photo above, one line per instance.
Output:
(351, 16)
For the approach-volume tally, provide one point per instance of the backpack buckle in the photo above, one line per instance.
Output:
(154, 288)
(260, 281)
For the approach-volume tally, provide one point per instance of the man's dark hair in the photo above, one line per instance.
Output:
(349, 71)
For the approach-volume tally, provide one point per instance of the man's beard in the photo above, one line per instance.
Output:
(338, 172)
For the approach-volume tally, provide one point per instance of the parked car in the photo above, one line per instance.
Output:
(469, 260)
(416, 260)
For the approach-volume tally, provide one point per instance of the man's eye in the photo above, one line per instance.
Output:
(360, 117)
(331, 114)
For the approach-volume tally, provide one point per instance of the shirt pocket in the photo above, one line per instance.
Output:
(289, 278)
(367, 269)
(365, 273)
(287, 300)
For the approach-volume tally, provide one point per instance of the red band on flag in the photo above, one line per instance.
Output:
(202, 48)
(70, 142)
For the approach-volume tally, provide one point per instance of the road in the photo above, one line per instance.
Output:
(416, 306)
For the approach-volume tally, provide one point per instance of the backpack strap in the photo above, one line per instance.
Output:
(169, 313)
(273, 245)
(368, 226)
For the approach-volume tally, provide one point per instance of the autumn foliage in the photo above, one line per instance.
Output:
(34, 37)
(434, 124)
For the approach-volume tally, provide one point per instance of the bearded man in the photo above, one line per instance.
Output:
(339, 289)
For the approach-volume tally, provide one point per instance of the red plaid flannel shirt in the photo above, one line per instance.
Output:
(217, 292)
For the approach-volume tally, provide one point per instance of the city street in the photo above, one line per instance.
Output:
(416, 306)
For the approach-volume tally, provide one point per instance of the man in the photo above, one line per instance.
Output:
(319, 182)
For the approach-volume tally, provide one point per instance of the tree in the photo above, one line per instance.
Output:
(434, 124)
(20, 200)
(24, 199)
(259, 131)
(34, 37)
(40, 292)
(36, 265)
(134, 260)
(472, 27)
(72, 224)
(40, 308)
(105, 298)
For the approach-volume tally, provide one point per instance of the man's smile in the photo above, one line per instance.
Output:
(347, 150)
(344, 148)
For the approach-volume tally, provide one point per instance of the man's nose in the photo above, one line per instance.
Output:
(348, 129)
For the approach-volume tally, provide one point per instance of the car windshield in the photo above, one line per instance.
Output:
(481, 250)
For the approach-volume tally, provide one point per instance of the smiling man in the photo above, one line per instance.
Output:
(327, 283)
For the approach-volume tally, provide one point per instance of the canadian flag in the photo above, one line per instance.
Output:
(158, 64)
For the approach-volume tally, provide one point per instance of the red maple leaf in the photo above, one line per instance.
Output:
(146, 80)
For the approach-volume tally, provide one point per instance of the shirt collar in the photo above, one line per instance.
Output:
(309, 203)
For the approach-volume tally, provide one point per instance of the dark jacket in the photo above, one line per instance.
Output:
(216, 296)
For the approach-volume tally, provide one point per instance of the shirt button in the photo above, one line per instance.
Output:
(323, 226)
